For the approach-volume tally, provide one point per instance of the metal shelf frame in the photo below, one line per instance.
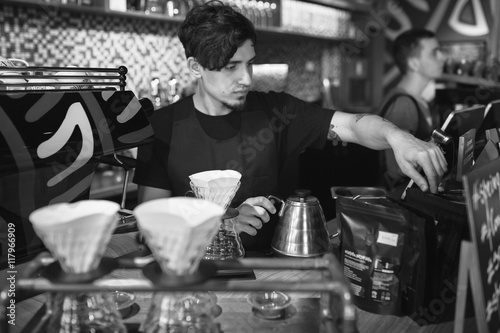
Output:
(332, 284)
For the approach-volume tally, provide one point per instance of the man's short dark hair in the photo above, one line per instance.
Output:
(211, 33)
(407, 45)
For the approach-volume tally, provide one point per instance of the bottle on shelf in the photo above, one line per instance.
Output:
(172, 91)
(155, 92)
(155, 6)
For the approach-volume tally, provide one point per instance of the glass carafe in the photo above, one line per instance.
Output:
(84, 313)
(226, 244)
(181, 312)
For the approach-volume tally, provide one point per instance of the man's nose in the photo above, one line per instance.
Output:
(246, 76)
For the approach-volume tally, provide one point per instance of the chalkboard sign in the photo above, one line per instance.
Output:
(480, 260)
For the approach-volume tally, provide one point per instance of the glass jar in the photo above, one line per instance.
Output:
(226, 244)
(84, 313)
(181, 313)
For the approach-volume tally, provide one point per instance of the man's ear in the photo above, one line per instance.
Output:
(413, 64)
(194, 67)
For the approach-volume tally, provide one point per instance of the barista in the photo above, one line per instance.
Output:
(224, 125)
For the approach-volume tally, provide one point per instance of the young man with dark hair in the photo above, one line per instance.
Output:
(224, 125)
(417, 54)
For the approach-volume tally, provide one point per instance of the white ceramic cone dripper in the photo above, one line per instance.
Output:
(217, 186)
(221, 196)
(76, 233)
(178, 230)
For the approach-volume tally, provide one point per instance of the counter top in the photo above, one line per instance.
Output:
(237, 315)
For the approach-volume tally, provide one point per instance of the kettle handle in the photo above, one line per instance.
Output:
(272, 197)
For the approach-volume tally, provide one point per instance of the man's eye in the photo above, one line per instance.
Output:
(230, 67)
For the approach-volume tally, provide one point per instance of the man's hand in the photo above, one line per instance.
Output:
(253, 212)
(413, 154)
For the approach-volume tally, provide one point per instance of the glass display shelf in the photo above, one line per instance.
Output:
(101, 7)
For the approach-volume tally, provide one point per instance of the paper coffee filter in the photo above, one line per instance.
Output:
(76, 233)
(216, 178)
(178, 230)
(67, 212)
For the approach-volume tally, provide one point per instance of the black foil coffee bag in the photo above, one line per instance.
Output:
(383, 254)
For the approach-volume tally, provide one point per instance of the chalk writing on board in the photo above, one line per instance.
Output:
(492, 304)
(482, 192)
(485, 192)
(493, 264)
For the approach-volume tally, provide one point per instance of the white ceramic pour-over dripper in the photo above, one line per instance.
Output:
(221, 196)
(217, 186)
(178, 230)
(76, 233)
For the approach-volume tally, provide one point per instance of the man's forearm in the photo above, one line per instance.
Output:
(365, 129)
(412, 154)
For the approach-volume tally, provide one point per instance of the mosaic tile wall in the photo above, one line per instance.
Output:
(148, 48)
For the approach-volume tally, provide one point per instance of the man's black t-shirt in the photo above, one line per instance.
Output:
(296, 125)
(256, 141)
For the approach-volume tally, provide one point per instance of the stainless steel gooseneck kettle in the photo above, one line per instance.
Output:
(301, 229)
